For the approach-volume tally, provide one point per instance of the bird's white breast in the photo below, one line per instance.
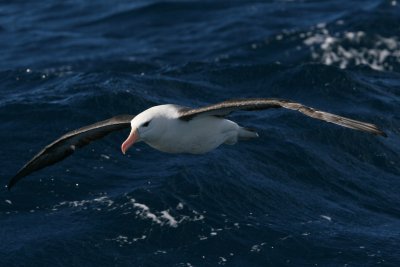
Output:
(197, 136)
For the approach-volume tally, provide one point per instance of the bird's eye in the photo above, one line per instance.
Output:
(146, 124)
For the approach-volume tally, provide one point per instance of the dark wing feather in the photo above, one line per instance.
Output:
(66, 144)
(226, 107)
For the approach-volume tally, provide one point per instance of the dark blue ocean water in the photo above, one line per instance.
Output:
(306, 193)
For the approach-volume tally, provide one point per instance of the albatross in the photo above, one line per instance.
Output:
(178, 129)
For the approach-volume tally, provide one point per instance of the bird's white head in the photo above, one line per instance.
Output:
(149, 125)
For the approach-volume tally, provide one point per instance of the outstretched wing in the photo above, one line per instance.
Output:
(225, 108)
(66, 144)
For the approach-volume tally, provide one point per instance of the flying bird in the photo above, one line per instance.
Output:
(178, 129)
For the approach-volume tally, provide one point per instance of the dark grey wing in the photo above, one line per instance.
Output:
(226, 107)
(66, 144)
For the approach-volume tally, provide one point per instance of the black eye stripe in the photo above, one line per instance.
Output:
(146, 124)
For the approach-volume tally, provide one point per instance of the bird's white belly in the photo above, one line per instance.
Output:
(197, 136)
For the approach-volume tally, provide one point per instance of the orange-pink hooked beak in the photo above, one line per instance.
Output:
(133, 136)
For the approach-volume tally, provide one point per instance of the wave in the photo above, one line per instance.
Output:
(303, 186)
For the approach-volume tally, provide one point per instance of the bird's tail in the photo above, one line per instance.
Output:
(247, 133)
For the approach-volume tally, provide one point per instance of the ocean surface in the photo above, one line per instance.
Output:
(306, 193)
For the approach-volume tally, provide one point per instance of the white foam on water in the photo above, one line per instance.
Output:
(144, 212)
(160, 252)
(125, 240)
(104, 200)
(170, 220)
(139, 238)
(201, 237)
(169, 217)
(222, 260)
(104, 156)
(326, 217)
(257, 247)
(352, 48)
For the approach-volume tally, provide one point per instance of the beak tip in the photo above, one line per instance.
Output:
(133, 136)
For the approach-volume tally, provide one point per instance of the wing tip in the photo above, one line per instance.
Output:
(11, 183)
(20, 174)
(374, 129)
(8, 187)
(381, 133)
